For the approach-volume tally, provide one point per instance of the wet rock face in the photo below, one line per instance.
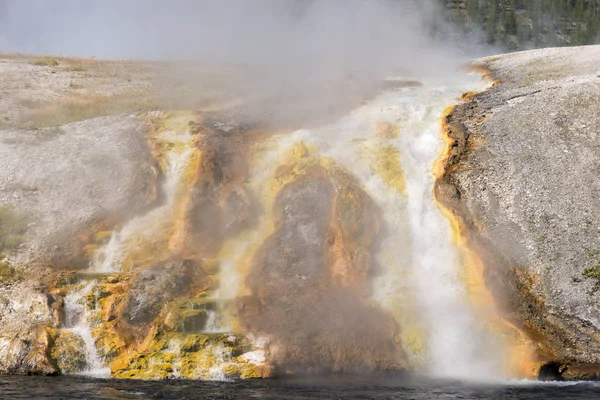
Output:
(220, 204)
(12, 354)
(298, 252)
(64, 181)
(23, 340)
(524, 180)
(69, 352)
(551, 371)
(193, 356)
(153, 287)
(319, 321)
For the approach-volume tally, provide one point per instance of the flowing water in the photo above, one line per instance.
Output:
(77, 322)
(384, 388)
(110, 257)
(391, 145)
(223, 357)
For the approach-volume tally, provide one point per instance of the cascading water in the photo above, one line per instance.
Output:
(391, 145)
(110, 257)
(222, 357)
(77, 322)
(458, 344)
(220, 319)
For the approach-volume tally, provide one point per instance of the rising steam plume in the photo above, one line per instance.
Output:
(297, 59)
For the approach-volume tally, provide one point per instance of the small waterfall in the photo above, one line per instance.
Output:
(110, 257)
(222, 357)
(231, 256)
(420, 279)
(77, 321)
(458, 344)
(214, 323)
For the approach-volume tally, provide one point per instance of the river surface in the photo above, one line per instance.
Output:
(391, 388)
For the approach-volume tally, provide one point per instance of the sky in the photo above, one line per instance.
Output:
(345, 31)
(305, 55)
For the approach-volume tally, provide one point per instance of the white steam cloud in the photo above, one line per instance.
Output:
(293, 59)
(332, 33)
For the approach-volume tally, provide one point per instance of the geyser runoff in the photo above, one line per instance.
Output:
(319, 249)
(391, 145)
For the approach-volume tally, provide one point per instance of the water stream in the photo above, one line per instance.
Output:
(77, 322)
(458, 344)
(109, 258)
(391, 145)
(420, 268)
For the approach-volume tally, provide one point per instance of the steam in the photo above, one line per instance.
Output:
(333, 34)
(295, 61)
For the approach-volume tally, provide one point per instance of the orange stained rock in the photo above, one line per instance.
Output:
(468, 96)
(486, 74)
(384, 160)
(353, 228)
(348, 229)
(180, 231)
(295, 163)
(520, 360)
(439, 167)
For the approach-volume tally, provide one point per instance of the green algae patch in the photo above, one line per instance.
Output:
(7, 273)
(191, 356)
(13, 226)
(252, 371)
(592, 272)
(68, 351)
(108, 342)
(188, 315)
(193, 343)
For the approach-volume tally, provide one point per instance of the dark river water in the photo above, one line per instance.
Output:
(20, 387)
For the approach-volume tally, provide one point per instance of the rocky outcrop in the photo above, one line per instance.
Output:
(522, 178)
(71, 178)
(62, 184)
(151, 288)
(24, 314)
(151, 319)
(309, 281)
(219, 204)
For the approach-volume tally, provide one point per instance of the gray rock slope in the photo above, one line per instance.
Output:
(70, 177)
(529, 182)
(64, 180)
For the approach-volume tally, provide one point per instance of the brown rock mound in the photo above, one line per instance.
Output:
(308, 281)
(157, 285)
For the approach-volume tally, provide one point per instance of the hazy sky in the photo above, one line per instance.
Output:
(340, 30)
(305, 54)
